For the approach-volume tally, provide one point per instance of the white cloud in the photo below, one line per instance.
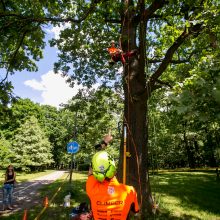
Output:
(55, 30)
(34, 84)
(54, 89)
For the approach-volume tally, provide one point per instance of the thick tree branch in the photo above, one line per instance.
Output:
(53, 19)
(194, 30)
(149, 12)
(156, 4)
(16, 51)
(163, 83)
(42, 19)
(114, 21)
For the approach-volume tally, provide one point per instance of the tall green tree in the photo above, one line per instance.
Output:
(164, 32)
(6, 153)
(58, 126)
(31, 147)
(16, 114)
(184, 119)
(195, 100)
(96, 113)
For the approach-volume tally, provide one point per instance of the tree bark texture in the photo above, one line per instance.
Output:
(135, 111)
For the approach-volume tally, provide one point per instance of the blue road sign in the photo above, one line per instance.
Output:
(72, 147)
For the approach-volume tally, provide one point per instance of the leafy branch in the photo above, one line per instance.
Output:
(154, 7)
(52, 19)
(179, 61)
(194, 30)
(163, 83)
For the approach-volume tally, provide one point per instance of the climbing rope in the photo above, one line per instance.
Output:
(128, 136)
(127, 120)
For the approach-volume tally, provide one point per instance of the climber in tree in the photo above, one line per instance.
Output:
(118, 55)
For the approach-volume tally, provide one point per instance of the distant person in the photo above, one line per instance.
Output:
(109, 199)
(10, 179)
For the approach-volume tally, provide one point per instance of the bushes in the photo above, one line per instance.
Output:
(83, 167)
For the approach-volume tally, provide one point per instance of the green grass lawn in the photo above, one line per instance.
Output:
(181, 196)
(187, 195)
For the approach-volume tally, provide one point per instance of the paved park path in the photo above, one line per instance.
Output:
(26, 194)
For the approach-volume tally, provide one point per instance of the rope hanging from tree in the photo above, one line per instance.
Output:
(117, 55)
(127, 120)
(155, 204)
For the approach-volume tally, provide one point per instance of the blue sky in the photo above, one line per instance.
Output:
(44, 86)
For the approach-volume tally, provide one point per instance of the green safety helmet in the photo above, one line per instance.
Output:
(103, 166)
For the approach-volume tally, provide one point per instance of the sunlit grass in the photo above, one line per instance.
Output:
(187, 195)
(77, 190)
(181, 196)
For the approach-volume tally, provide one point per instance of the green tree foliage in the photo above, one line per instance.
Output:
(58, 126)
(17, 113)
(96, 113)
(87, 117)
(6, 152)
(31, 147)
(185, 121)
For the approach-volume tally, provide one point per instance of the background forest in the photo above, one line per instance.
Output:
(184, 125)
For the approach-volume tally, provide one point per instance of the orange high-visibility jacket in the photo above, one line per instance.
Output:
(113, 50)
(111, 200)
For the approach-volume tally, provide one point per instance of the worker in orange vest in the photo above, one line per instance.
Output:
(110, 200)
(118, 55)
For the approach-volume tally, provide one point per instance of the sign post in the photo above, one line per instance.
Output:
(72, 148)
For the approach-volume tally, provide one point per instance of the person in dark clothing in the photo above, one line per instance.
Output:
(10, 178)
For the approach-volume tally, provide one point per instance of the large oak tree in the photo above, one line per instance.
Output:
(165, 33)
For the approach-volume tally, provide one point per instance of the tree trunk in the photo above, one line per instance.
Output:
(189, 151)
(210, 150)
(135, 114)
